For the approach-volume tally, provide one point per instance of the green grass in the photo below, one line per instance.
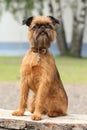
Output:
(72, 70)
(10, 68)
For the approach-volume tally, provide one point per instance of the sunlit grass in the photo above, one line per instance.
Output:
(9, 68)
(72, 70)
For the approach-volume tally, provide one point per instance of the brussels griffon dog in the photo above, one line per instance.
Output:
(39, 72)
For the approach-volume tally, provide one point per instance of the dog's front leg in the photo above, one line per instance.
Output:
(24, 89)
(40, 100)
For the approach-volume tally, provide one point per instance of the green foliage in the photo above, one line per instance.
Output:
(23, 8)
(19, 8)
(1, 6)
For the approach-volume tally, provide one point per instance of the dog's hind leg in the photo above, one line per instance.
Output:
(56, 106)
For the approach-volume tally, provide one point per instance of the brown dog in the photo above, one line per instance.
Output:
(39, 72)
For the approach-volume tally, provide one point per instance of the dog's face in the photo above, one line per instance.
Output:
(41, 30)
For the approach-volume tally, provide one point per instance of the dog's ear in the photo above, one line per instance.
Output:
(55, 21)
(27, 21)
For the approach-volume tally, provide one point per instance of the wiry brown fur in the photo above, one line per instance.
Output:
(41, 40)
(41, 77)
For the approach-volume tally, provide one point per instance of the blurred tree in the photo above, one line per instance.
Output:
(1, 7)
(56, 11)
(24, 8)
(78, 28)
(19, 8)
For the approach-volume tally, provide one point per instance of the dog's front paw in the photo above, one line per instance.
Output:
(36, 117)
(18, 113)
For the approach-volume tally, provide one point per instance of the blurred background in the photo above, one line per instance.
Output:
(72, 30)
(69, 49)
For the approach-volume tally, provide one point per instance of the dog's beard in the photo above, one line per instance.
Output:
(42, 39)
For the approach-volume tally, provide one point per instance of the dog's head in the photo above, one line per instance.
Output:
(41, 30)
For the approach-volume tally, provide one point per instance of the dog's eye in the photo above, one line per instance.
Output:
(48, 26)
(35, 27)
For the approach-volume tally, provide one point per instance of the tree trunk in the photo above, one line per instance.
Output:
(61, 39)
(55, 9)
(78, 29)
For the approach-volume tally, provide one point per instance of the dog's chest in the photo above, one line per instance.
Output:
(31, 69)
(35, 71)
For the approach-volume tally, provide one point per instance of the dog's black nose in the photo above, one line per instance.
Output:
(42, 27)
